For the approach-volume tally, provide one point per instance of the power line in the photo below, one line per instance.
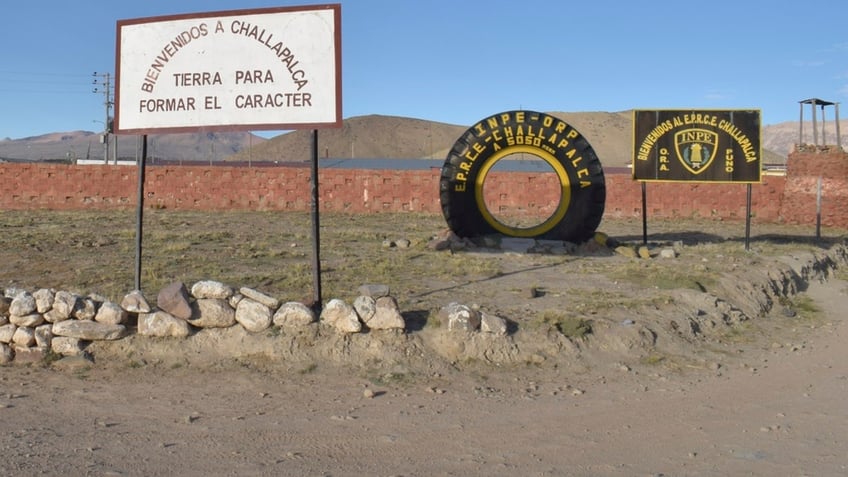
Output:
(26, 82)
(103, 84)
(42, 73)
(41, 91)
(42, 81)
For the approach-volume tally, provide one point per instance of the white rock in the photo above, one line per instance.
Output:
(24, 337)
(43, 299)
(66, 346)
(111, 313)
(86, 309)
(135, 302)
(211, 289)
(341, 316)
(365, 306)
(54, 316)
(44, 336)
(32, 320)
(89, 330)
(253, 315)
(12, 292)
(387, 315)
(492, 324)
(668, 253)
(22, 304)
(235, 299)
(66, 301)
(213, 313)
(260, 297)
(7, 331)
(294, 313)
(459, 317)
(162, 324)
(64, 304)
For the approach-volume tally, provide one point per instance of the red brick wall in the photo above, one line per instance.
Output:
(690, 200)
(803, 171)
(203, 187)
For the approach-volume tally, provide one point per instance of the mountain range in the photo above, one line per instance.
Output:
(371, 136)
(78, 145)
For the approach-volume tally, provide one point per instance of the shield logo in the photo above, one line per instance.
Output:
(696, 148)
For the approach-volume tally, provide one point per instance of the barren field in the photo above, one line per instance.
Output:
(718, 361)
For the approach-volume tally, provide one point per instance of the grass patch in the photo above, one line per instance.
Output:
(82, 373)
(665, 275)
(569, 326)
(652, 359)
(739, 333)
(394, 379)
(50, 357)
(841, 273)
(671, 362)
(308, 369)
(806, 305)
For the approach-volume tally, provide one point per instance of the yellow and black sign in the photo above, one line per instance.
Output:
(697, 145)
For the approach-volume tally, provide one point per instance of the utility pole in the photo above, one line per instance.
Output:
(106, 83)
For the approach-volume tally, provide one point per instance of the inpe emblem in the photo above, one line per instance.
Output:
(696, 148)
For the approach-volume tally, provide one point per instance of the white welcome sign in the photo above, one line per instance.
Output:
(276, 68)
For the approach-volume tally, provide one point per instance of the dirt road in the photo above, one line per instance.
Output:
(776, 408)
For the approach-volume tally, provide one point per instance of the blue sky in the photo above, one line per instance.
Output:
(460, 61)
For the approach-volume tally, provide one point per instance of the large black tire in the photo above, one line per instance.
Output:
(579, 170)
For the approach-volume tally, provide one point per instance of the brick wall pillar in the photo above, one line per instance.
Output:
(804, 169)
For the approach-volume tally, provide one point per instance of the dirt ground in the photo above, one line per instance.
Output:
(681, 374)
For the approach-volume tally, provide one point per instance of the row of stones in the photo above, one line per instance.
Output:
(32, 324)
(601, 243)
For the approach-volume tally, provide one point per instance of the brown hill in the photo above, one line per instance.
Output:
(376, 136)
(371, 137)
(76, 145)
(610, 134)
(782, 137)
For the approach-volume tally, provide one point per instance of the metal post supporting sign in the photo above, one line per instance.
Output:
(140, 212)
(748, 219)
(644, 214)
(316, 237)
